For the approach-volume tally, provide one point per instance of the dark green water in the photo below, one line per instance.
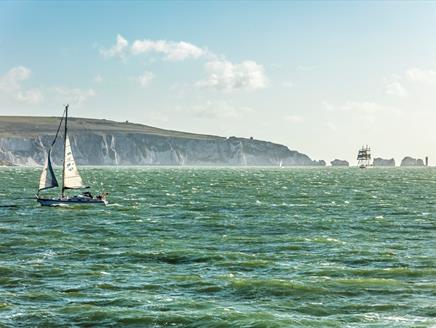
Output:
(223, 248)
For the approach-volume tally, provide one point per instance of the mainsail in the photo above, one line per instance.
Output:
(72, 179)
(48, 178)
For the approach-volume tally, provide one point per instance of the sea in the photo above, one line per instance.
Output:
(222, 247)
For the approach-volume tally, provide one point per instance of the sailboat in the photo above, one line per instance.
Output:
(71, 178)
(364, 157)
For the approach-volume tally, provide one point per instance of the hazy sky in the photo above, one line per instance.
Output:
(322, 77)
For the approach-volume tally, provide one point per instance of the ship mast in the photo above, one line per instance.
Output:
(65, 147)
(364, 157)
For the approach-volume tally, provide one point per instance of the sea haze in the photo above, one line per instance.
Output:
(222, 247)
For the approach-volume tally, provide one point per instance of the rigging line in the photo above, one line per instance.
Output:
(57, 132)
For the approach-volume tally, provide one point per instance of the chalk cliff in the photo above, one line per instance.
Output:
(25, 141)
(410, 161)
(383, 162)
(338, 162)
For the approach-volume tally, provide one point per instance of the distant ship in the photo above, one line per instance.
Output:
(71, 178)
(364, 157)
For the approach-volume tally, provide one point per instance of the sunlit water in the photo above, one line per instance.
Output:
(223, 248)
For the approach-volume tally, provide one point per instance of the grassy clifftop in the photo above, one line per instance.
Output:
(31, 126)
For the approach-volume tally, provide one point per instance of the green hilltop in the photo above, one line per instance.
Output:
(31, 126)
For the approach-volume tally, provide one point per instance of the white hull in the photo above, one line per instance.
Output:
(71, 201)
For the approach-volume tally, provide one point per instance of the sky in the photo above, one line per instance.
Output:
(323, 78)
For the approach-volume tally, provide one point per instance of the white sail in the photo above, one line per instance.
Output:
(48, 178)
(72, 179)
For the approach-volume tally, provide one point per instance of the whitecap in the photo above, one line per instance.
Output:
(115, 205)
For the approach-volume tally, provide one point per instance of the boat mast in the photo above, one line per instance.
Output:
(65, 146)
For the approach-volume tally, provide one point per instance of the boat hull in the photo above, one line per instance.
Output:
(70, 201)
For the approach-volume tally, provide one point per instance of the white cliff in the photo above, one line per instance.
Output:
(410, 161)
(383, 162)
(101, 142)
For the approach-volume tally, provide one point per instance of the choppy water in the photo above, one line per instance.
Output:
(223, 248)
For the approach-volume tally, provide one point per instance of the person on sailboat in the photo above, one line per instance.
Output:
(102, 196)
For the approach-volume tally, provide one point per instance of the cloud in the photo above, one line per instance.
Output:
(11, 81)
(396, 89)
(221, 73)
(421, 76)
(294, 119)
(98, 78)
(364, 110)
(72, 96)
(118, 50)
(224, 75)
(174, 51)
(219, 109)
(32, 97)
(145, 79)
(410, 81)
(171, 50)
(10, 85)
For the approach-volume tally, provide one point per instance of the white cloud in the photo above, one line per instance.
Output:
(33, 96)
(175, 51)
(118, 50)
(224, 75)
(11, 81)
(10, 84)
(411, 81)
(145, 79)
(294, 119)
(396, 89)
(363, 110)
(421, 75)
(171, 50)
(220, 109)
(72, 96)
(98, 78)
